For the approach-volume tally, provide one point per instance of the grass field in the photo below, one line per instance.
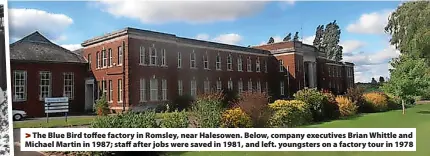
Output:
(416, 117)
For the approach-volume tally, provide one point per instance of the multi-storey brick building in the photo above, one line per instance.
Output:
(137, 69)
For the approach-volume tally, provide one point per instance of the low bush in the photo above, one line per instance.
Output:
(356, 95)
(102, 106)
(331, 108)
(207, 110)
(377, 101)
(235, 118)
(346, 106)
(315, 100)
(127, 120)
(175, 119)
(229, 98)
(182, 102)
(289, 113)
(255, 105)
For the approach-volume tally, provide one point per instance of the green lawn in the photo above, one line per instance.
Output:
(416, 117)
(57, 122)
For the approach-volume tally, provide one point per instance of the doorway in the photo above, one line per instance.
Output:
(89, 95)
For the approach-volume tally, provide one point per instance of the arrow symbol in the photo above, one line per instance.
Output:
(27, 135)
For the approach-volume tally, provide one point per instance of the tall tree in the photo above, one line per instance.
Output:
(410, 77)
(288, 37)
(318, 36)
(271, 40)
(296, 36)
(409, 28)
(373, 81)
(330, 42)
(381, 79)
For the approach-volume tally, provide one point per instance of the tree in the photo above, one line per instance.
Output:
(330, 41)
(318, 36)
(287, 38)
(373, 81)
(381, 79)
(271, 40)
(410, 77)
(409, 28)
(296, 37)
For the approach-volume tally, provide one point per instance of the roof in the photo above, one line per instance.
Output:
(36, 47)
(172, 37)
(276, 46)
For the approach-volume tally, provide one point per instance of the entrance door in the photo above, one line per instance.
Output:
(89, 95)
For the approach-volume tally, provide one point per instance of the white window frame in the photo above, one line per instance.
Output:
(120, 90)
(110, 99)
(48, 92)
(229, 62)
(193, 88)
(20, 84)
(153, 84)
(249, 64)
(282, 87)
(104, 58)
(180, 88)
(152, 56)
(206, 61)
(250, 85)
(142, 55)
(239, 63)
(265, 66)
(259, 86)
(110, 57)
(98, 61)
(142, 90)
(164, 89)
(120, 55)
(281, 65)
(230, 84)
(218, 62)
(163, 58)
(104, 90)
(90, 62)
(193, 64)
(179, 60)
(257, 65)
(69, 87)
(206, 86)
(219, 85)
(240, 86)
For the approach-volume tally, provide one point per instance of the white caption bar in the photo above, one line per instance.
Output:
(218, 139)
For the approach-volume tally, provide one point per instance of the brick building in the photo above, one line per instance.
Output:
(137, 69)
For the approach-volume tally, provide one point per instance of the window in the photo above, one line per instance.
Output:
(98, 60)
(142, 55)
(267, 87)
(69, 82)
(258, 86)
(206, 61)
(163, 57)
(20, 85)
(249, 64)
(142, 90)
(229, 62)
(329, 71)
(193, 88)
(218, 85)
(154, 89)
(180, 87)
(250, 85)
(104, 58)
(89, 61)
(104, 89)
(153, 60)
(164, 89)
(281, 87)
(45, 84)
(257, 65)
(110, 57)
(218, 62)
(206, 86)
(193, 60)
(239, 63)
(120, 55)
(120, 90)
(265, 66)
(110, 91)
(230, 84)
(281, 65)
(179, 60)
(240, 86)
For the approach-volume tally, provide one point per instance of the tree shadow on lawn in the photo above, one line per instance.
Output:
(424, 112)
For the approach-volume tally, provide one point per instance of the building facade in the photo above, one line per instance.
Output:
(138, 69)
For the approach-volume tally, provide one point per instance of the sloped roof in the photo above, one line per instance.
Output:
(36, 47)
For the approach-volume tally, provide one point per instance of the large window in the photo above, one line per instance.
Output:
(240, 86)
(120, 89)
(110, 91)
(250, 85)
(163, 57)
(229, 62)
(281, 65)
(104, 58)
(164, 89)
(230, 84)
(281, 87)
(20, 85)
(110, 58)
(153, 59)
(239, 63)
(180, 87)
(265, 66)
(193, 88)
(249, 64)
(257, 65)
(153, 84)
(218, 85)
(104, 89)
(206, 61)
(120, 55)
(142, 90)
(98, 60)
(218, 62)
(179, 60)
(142, 55)
(258, 86)
(206, 86)
(45, 84)
(69, 83)
(89, 61)
(193, 60)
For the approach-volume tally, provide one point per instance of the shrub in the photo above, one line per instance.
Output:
(330, 107)
(356, 95)
(376, 101)
(235, 118)
(127, 120)
(255, 105)
(207, 110)
(175, 119)
(289, 113)
(102, 106)
(346, 106)
(182, 102)
(229, 98)
(315, 100)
